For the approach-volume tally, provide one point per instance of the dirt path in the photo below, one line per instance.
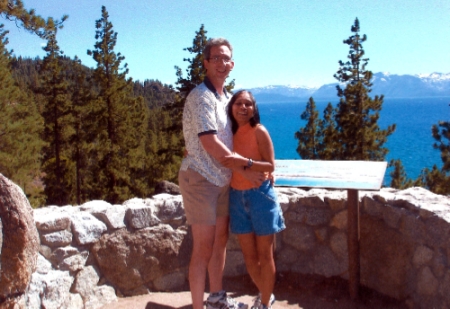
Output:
(291, 291)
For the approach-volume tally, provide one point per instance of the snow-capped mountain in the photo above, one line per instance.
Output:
(282, 93)
(389, 85)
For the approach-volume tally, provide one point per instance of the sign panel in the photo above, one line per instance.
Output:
(359, 175)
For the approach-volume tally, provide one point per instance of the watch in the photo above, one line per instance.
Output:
(249, 163)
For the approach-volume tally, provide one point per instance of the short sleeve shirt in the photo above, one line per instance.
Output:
(205, 112)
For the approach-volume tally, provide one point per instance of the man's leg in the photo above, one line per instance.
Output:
(217, 261)
(203, 243)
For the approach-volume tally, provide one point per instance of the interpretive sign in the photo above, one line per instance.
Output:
(347, 175)
(358, 175)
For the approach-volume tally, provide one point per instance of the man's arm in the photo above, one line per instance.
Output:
(218, 151)
(214, 146)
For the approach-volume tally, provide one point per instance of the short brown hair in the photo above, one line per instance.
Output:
(215, 42)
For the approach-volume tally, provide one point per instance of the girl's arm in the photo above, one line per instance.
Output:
(265, 147)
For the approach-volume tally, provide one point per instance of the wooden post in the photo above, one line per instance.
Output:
(353, 243)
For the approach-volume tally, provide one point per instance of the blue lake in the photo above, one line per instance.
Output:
(411, 142)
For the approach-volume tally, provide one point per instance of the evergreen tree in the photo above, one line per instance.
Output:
(14, 10)
(329, 131)
(195, 75)
(357, 113)
(20, 128)
(441, 134)
(121, 121)
(438, 180)
(310, 136)
(58, 119)
(399, 179)
(82, 140)
(350, 131)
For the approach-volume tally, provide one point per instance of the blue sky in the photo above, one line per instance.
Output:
(289, 42)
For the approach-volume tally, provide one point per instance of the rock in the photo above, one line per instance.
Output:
(141, 216)
(339, 221)
(100, 296)
(300, 237)
(167, 187)
(234, 265)
(385, 258)
(75, 302)
(20, 241)
(326, 264)
(97, 205)
(113, 216)
(51, 221)
(50, 290)
(57, 239)
(43, 265)
(422, 255)
(86, 285)
(85, 280)
(170, 282)
(427, 283)
(130, 260)
(169, 208)
(86, 228)
(339, 246)
(69, 258)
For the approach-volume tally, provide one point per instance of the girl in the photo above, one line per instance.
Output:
(255, 214)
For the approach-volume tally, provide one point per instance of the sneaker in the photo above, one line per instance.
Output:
(257, 302)
(220, 300)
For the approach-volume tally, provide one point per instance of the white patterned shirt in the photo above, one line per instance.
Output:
(205, 112)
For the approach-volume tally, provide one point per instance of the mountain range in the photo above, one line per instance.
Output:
(389, 85)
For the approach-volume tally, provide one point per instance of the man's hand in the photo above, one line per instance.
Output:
(256, 178)
(233, 161)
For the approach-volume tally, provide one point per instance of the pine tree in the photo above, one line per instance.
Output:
(350, 131)
(82, 140)
(438, 180)
(14, 10)
(121, 120)
(310, 138)
(195, 75)
(20, 129)
(357, 113)
(56, 163)
(441, 134)
(399, 179)
(330, 142)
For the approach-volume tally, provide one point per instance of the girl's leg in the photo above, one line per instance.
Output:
(258, 256)
(250, 252)
(265, 246)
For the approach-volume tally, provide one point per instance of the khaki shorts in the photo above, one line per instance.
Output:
(203, 202)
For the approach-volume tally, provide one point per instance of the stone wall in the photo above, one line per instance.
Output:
(92, 253)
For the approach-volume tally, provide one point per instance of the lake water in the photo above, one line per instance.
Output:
(411, 142)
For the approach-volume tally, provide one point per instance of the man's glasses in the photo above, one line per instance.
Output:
(217, 59)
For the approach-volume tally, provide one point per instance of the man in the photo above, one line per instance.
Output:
(204, 182)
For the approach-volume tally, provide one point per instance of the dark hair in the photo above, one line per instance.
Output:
(253, 121)
(215, 42)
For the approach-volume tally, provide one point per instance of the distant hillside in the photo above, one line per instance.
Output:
(390, 85)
